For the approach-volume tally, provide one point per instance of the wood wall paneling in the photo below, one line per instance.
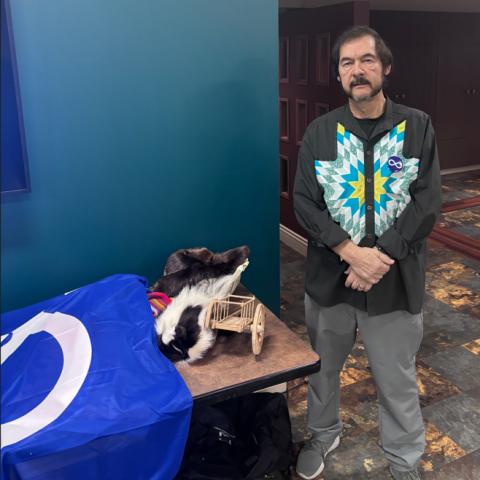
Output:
(284, 177)
(301, 119)
(320, 109)
(284, 60)
(301, 59)
(322, 59)
(284, 120)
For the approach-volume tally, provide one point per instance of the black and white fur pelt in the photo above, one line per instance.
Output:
(193, 278)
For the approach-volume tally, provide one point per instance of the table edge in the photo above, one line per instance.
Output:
(251, 386)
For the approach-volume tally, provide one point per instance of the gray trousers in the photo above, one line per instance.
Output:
(391, 342)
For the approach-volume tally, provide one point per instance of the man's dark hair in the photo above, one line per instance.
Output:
(383, 51)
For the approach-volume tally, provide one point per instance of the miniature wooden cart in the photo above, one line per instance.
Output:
(237, 313)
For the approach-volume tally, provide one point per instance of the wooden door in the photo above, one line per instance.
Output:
(458, 89)
(307, 88)
(436, 69)
(411, 37)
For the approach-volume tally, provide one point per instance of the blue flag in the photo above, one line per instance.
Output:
(86, 394)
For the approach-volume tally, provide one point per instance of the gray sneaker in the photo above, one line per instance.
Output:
(311, 459)
(405, 475)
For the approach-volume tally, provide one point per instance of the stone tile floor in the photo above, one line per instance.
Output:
(458, 186)
(465, 222)
(448, 368)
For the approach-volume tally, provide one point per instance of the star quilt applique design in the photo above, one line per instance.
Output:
(394, 174)
(343, 181)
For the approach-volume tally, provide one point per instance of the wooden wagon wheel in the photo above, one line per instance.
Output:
(208, 321)
(258, 329)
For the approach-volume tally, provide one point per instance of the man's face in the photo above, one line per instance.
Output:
(360, 70)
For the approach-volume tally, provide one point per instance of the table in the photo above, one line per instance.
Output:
(230, 368)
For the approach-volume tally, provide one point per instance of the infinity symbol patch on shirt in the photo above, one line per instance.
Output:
(395, 164)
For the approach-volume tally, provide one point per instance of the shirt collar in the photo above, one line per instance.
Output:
(385, 124)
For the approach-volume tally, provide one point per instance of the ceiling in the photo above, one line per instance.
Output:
(409, 5)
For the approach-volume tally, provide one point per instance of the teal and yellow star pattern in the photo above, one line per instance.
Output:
(343, 181)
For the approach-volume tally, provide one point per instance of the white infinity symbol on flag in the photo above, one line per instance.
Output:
(73, 338)
(393, 163)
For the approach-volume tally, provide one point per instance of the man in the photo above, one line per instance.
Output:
(367, 191)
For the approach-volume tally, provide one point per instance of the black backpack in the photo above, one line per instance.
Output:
(245, 438)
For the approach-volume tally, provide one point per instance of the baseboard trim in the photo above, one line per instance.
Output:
(462, 204)
(447, 171)
(293, 240)
(456, 241)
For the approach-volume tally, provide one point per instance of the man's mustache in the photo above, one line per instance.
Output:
(359, 81)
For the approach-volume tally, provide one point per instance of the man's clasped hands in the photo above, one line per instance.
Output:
(367, 265)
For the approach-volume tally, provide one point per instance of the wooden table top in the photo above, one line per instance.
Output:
(231, 369)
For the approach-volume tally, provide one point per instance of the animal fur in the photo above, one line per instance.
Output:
(194, 277)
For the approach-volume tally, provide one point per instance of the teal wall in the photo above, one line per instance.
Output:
(151, 125)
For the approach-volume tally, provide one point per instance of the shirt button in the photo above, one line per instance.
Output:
(369, 207)
(369, 152)
(369, 180)
(369, 235)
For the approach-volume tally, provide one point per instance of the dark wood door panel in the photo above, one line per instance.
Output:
(411, 38)
(451, 150)
(458, 79)
(436, 69)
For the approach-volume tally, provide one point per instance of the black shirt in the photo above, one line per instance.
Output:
(368, 125)
(382, 189)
